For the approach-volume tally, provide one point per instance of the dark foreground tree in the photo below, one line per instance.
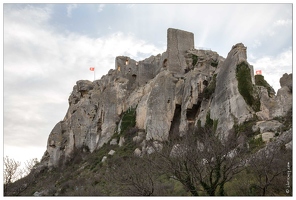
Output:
(270, 167)
(132, 176)
(202, 162)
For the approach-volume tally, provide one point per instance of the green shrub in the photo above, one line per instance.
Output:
(260, 81)
(210, 123)
(256, 143)
(215, 125)
(214, 63)
(210, 89)
(245, 128)
(245, 86)
(194, 59)
(128, 120)
(128, 130)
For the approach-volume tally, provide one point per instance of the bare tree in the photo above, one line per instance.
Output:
(202, 162)
(11, 168)
(29, 165)
(14, 183)
(11, 172)
(268, 164)
(133, 176)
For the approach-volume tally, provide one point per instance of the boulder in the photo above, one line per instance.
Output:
(156, 146)
(137, 152)
(267, 136)
(104, 159)
(267, 126)
(289, 145)
(113, 141)
(121, 141)
(137, 139)
(111, 152)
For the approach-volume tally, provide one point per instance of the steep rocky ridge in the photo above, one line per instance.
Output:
(169, 94)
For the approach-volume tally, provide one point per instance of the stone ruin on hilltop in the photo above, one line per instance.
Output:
(163, 96)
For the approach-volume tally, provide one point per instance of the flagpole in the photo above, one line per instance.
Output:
(94, 70)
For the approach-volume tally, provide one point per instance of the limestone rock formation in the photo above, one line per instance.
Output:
(228, 105)
(279, 105)
(164, 97)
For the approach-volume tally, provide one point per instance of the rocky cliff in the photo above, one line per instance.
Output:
(167, 95)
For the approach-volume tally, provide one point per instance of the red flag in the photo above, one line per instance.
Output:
(92, 69)
(258, 72)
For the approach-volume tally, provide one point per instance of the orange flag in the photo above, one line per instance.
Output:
(92, 69)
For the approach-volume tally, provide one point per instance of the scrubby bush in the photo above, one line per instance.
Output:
(245, 86)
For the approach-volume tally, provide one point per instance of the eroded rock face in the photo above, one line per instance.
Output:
(95, 108)
(279, 105)
(286, 80)
(284, 97)
(228, 105)
(171, 93)
(267, 126)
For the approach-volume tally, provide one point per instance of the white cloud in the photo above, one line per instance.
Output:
(41, 66)
(256, 44)
(283, 22)
(70, 9)
(101, 7)
(274, 67)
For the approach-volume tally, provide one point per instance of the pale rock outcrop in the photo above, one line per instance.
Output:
(171, 93)
(289, 145)
(267, 136)
(121, 141)
(111, 152)
(113, 141)
(266, 104)
(267, 126)
(279, 105)
(156, 146)
(160, 107)
(284, 97)
(287, 80)
(137, 152)
(104, 159)
(228, 106)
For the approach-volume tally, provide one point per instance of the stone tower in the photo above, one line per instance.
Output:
(178, 42)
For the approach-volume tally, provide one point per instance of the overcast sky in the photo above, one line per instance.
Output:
(48, 47)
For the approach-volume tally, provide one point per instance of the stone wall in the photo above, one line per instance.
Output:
(178, 42)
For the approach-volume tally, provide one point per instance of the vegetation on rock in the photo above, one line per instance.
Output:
(260, 81)
(210, 89)
(194, 59)
(245, 86)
